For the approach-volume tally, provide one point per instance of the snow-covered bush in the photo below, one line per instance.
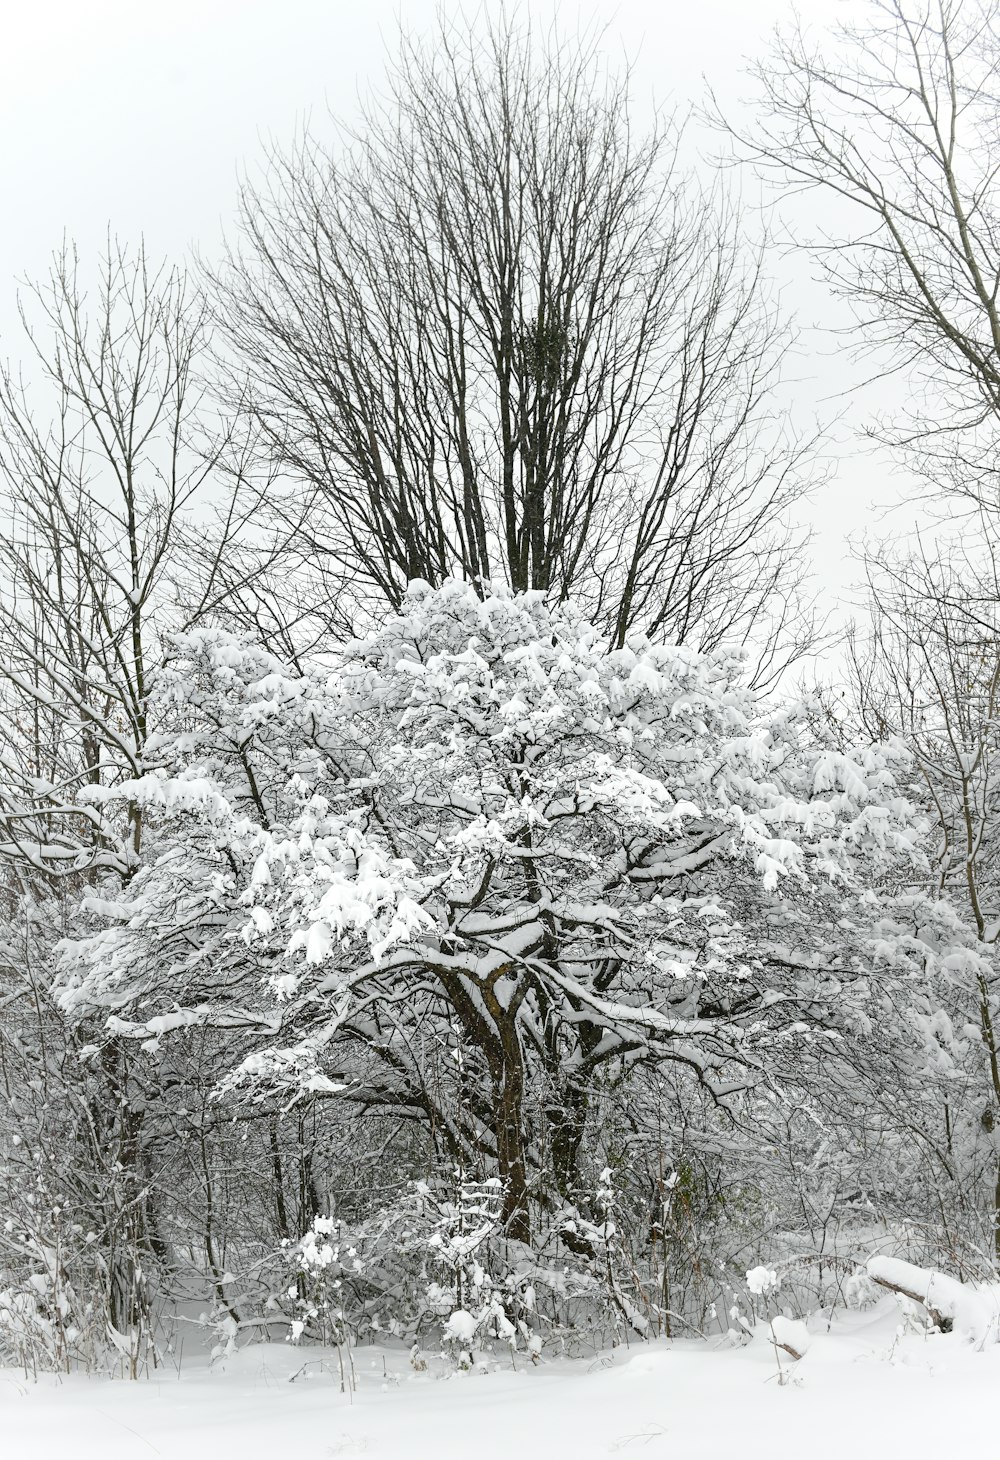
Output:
(320, 1261)
(478, 1290)
(45, 1321)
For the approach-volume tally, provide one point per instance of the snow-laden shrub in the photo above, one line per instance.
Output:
(77, 1265)
(55, 1309)
(320, 1262)
(46, 1323)
(436, 1272)
(478, 1287)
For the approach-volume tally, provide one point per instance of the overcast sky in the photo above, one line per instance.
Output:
(140, 115)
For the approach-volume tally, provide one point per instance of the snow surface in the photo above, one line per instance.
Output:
(862, 1390)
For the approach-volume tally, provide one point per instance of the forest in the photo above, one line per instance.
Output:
(463, 888)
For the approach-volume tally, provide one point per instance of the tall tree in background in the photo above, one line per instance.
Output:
(496, 333)
(897, 119)
(95, 480)
(125, 516)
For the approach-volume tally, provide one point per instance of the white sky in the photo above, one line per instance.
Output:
(139, 115)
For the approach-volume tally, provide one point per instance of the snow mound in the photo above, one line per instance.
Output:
(791, 1334)
(972, 1309)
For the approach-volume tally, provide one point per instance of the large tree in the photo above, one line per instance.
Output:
(496, 331)
(893, 117)
(489, 869)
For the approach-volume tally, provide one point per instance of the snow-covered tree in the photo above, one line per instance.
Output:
(483, 869)
(927, 671)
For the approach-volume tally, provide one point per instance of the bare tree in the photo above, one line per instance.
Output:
(497, 333)
(898, 120)
(107, 486)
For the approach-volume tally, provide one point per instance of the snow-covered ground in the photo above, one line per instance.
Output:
(860, 1391)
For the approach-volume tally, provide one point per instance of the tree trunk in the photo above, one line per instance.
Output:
(567, 1116)
(509, 1106)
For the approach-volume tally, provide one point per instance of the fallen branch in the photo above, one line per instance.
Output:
(916, 1283)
